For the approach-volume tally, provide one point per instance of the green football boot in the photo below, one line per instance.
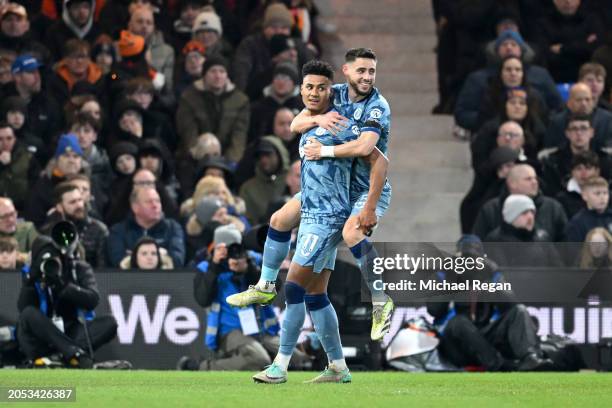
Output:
(253, 295)
(273, 374)
(381, 319)
(331, 374)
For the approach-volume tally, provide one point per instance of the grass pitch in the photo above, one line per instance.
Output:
(382, 389)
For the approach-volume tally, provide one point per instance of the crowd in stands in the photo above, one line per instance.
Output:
(528, 83)
(147, 123)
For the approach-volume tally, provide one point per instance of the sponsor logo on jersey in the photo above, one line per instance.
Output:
(357, 114)
(320, 131)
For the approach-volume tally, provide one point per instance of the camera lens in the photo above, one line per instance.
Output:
(50, 267)
(236, 251)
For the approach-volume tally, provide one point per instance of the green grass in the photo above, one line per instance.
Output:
(389, 389)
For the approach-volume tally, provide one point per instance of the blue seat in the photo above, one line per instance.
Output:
(564, 89)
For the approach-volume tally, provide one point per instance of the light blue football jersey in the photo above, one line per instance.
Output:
(371, 114)
(325, 183)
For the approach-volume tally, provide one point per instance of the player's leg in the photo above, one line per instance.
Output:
(276, 249)
(325, 319)
(311, 241)
(365, 254)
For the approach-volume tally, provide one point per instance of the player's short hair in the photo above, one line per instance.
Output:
(595, 182)
(354, 53)
(591, 68)
(318, 67)
(588, 159)
(61, 189)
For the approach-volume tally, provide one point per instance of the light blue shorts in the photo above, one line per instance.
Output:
(359, 200)
(317, 246)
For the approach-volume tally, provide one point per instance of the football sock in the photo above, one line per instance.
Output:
(365, 253)
(276, 249)
(325, 323)
(292, 323)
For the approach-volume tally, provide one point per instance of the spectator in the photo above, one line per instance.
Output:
(597, 250)
(83, 183)
(70, 206)
(156, 124)
(103, 53)
(153, 156)
(509, 38)
(585, 165)
(183, 26)
(253, 54)
(86, 128)
(268, 183)
(229, 270)
(510, 134)
(147, 255)
(568, 36)
(67, 162)
(556, 162)
(44, 117)
(474, 88)
(189, 169)
(580, 102)
(87, 104)
(132, 64)
(521, 179)
(120, 204)
(77, 22)
(74, 67)
(207, 30)
(213, 104)
(596, 194)
(603, 56)
(189, 67)
(6, 61)
(283, 92)
(282, 51)
(12, 227)
(489, 181)
(19, 169)
(129, 124)
(594, 75)
(142, 23)
(8, 254)
(146, 218)
(15, 34)
(14, 112)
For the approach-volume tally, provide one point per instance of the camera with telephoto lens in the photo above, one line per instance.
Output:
(65, 236)
(236, 251)
(50, 268)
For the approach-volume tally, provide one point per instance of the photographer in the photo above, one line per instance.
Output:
(241, 338)
(57, 295)
(499, 336)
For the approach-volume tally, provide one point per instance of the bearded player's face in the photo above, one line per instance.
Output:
(361, 75)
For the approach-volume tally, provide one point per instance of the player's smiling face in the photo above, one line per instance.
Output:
(316, 90)
(361, 75)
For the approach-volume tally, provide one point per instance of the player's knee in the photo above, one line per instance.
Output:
(351, 234)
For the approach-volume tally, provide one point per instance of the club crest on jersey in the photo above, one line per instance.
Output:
(357, 114)
(320, 131)
(355, 130)
(376, 114)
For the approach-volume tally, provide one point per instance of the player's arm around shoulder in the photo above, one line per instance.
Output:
(331, 121)
(361, 147)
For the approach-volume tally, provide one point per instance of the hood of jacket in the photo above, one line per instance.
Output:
(80, 32)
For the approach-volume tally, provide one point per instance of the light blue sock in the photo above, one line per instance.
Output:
(325, 322)
(294, 318)
(276, 249)
(365, 253)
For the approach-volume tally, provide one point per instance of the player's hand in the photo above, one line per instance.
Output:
(332, 121)
(220, 253)
(367, 221)
(312, 149)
